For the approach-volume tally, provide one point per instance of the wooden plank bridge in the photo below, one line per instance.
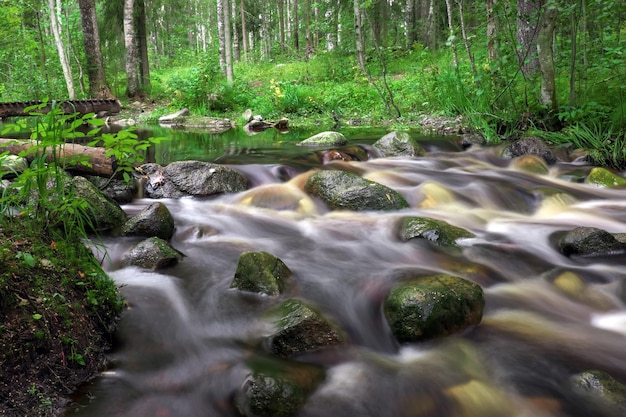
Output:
(17, 108)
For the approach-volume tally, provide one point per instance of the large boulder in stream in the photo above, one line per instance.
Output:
(602, 389)
(276, 387)
(298, 328)
(152, 253)
(191, 178)
(154, 220)
(435, 231)
(261, 272)
(346, 191)
(105, 214)
(590, 241)
(329, 138)
(399, 144)
(433, 306)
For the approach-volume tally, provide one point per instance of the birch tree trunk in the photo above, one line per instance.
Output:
(545, 54)
(491, 29)
(452, 37)
(359, 35)
(98, 86)
(63, 55)
(221, 35)
(244, 32)
(281, 25)
(295, 26)
(228, 47)
(132, 79)
(235, 32)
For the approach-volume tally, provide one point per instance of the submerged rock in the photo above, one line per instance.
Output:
(343, 190)
(530, 163)
(299, 329)
(261, 272)
(589, 241)
(152, 253)
(277, 388)
(434, 306)
(154, 220)
(602, 177)
(105, 214)
(436, 231)
(602, 388)
(325, 139)
(399, 144)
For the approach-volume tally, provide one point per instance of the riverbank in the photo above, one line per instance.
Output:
(58, 310)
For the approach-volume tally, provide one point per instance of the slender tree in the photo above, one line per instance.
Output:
(55, 25)
(98, 86)
(244, 32)
(142, 45)
(130, 42)
(545, 55)
(228, 47)
(528, 14)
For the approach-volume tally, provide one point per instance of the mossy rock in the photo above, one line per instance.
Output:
(343, 190)
(532, 164)
(154, 220)
(105, 213)
(329, 138)
(299, 329)
(261, 272)
(152, 253)
(433, 306)
(399, 144)
(602, 388)
(602, 177)
(436, 231)
(277, 387)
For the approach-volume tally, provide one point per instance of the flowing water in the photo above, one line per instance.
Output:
(184, 344)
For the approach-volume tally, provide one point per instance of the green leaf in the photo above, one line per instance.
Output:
(37, 316)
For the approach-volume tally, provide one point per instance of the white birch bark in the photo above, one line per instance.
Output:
(63, 55)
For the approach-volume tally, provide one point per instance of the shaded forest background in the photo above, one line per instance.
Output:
(502, 65)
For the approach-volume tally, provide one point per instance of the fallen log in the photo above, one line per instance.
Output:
(69, 154)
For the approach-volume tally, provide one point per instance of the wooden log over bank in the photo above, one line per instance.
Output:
(68, 153)
(17, 108)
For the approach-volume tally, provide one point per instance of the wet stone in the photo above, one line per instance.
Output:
(261, 272)
(299, 329)
(602, 388)
(154, 220)
(329, 138)
(434, 306)
(399, 144)
(152, 253)
(590, 241)
(436, 231)
(347, 191)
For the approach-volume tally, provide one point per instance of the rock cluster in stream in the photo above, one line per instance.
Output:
(418, 308)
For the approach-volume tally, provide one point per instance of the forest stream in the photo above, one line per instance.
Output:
(185, 343)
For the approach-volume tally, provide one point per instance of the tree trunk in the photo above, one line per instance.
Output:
(528, 12)
(98, 86)
(235, 32)
(221, 35)
(465, 38)
(545, 54)
(228, 47)
(244, 33)
(142, 43)
(410, 23)
(307, 29)
(281, 25)
(130, 42)
(295, 26)
(359, 35)
(492, 29)
(451, 38)
(63, 55)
